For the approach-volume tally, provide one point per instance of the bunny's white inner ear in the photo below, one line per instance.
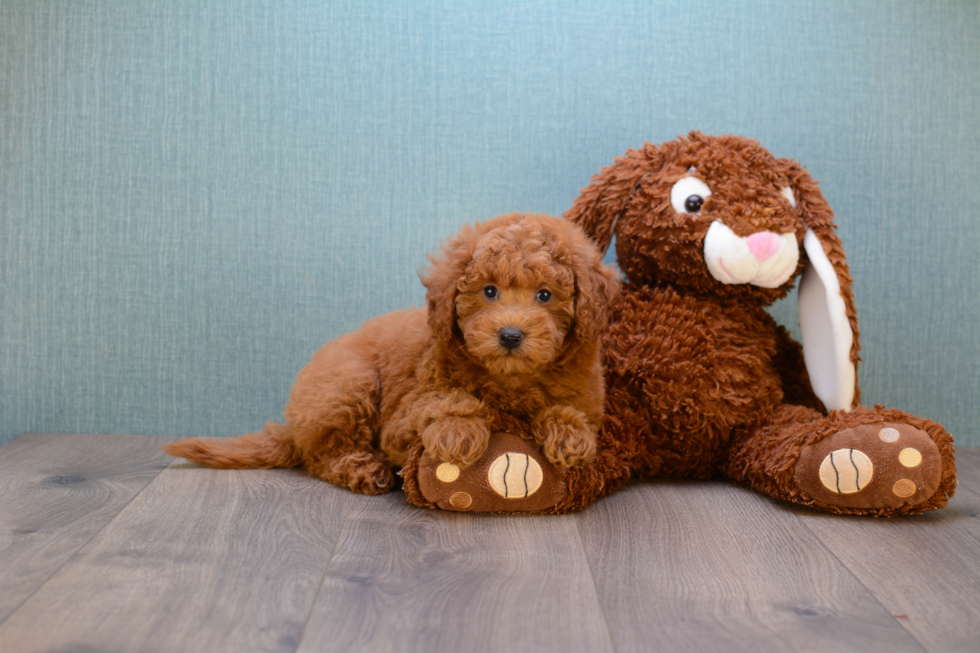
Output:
(788, 194)
(827, 334)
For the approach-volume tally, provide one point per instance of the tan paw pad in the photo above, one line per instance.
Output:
(515, 475)
(447, 472)
(910, 457)
(888, 434)
(904, 488)
(460, 500)
(846, 471)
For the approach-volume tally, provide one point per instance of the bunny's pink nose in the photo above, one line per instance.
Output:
(764, 244)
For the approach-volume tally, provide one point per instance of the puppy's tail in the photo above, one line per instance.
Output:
(270, 447)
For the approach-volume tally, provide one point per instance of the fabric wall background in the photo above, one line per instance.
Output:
(195, 195)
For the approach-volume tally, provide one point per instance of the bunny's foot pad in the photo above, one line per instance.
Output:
(513, 476)
(884, 465)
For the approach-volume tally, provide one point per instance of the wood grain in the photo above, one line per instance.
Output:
(923, 569)
(201, 560)
(707, 566)
(410, 579)
(968, 470)
(104, 548)
(58, 491)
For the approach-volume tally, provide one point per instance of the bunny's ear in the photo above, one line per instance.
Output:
(600, 204)
(828, 320)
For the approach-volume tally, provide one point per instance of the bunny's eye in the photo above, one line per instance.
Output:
(689, 194)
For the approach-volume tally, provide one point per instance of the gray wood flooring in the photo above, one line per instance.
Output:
(109, 545)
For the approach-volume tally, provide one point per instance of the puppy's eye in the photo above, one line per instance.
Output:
(490, 292)
(689, 194)
(543, 296)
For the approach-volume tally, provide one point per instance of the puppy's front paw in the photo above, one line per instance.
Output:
(566, 438)
(458, 440)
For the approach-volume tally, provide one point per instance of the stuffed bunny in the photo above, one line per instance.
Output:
(700, 380)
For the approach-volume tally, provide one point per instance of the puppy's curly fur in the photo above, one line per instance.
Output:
(516, 308)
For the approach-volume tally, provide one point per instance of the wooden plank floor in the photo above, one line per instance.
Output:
(108, 544)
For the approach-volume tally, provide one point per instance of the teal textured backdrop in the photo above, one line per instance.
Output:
(195, 195)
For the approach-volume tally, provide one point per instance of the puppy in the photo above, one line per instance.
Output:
(516, 306)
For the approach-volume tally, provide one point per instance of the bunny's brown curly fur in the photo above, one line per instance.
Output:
(434, 376)
(701, 380)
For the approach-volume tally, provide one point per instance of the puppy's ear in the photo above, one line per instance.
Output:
(442, 278)
(596, 286)
(828, 319)
(600, 204)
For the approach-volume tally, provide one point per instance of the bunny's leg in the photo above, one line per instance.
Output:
(870, 461)
(515, 476)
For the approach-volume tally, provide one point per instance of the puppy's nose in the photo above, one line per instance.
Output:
(510, 338)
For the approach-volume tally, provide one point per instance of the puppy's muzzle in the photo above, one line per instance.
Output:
(510, 338)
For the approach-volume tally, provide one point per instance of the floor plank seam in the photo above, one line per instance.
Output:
(595, 588)
(858, 580)
(323, 578)
(81, 546)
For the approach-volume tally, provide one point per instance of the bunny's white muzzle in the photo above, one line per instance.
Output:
(763, 259)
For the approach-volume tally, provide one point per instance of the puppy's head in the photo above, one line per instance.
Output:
(517, 291)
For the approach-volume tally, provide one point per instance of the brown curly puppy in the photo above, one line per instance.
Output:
(516, 307)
